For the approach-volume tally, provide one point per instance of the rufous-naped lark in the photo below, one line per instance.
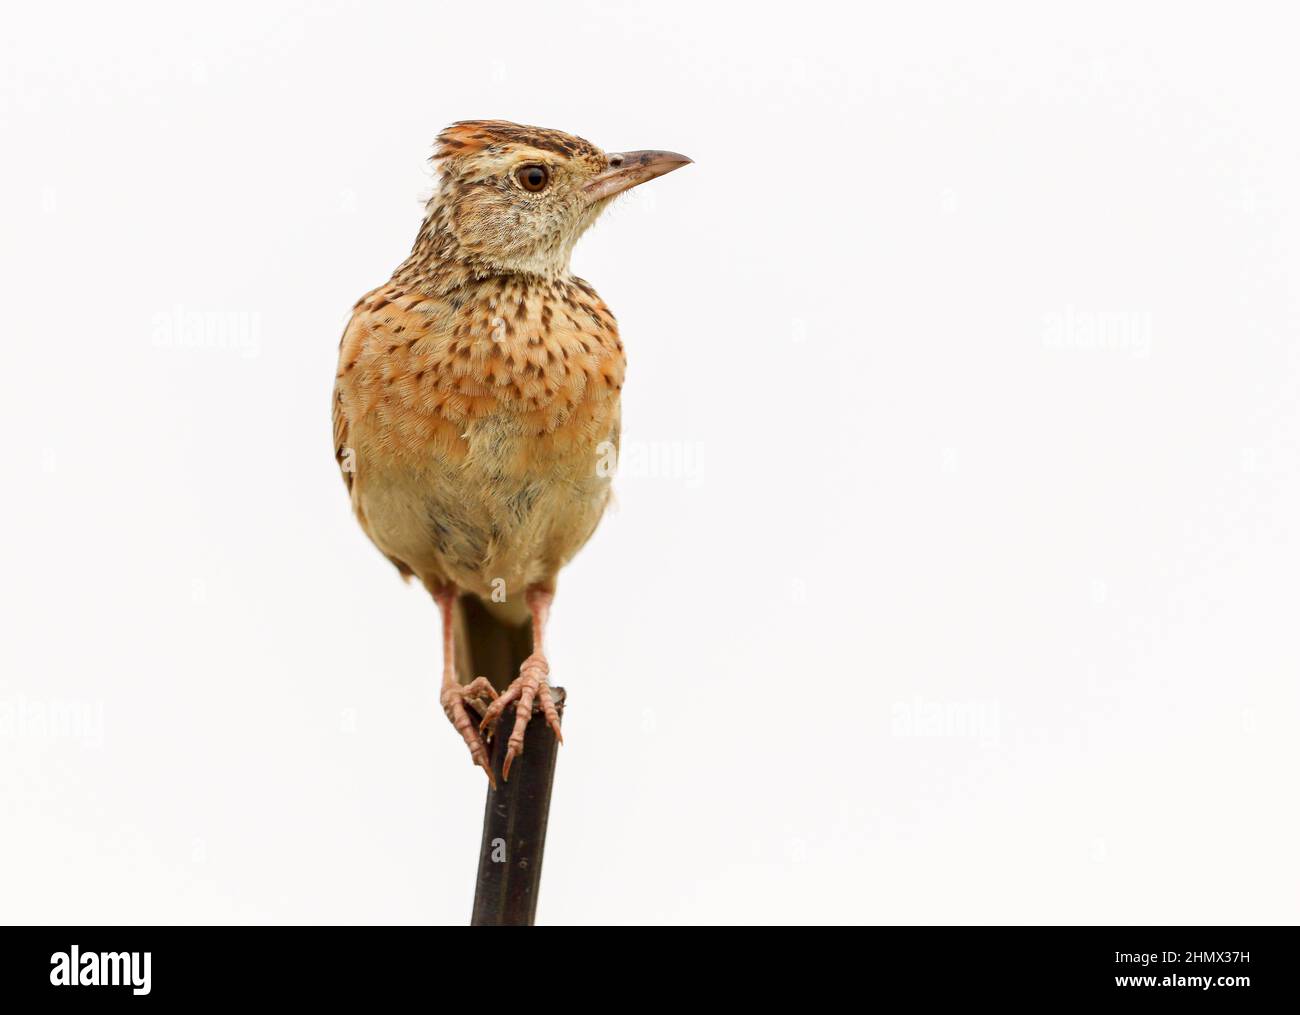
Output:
(477, 393)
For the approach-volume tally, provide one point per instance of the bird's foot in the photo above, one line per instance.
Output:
(453, 704)
(528, 687)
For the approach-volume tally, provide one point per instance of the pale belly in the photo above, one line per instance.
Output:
(494, 522)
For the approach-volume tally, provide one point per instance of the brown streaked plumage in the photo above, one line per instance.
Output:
(478, 390)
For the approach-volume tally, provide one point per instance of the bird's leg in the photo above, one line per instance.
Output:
(454, 693)
(529, 685)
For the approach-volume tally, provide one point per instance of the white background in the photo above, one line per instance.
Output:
(953, 576)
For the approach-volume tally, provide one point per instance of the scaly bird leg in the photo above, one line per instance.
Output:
(529, 685)
(454, 694)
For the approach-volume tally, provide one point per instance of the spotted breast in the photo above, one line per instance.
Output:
(472, 426)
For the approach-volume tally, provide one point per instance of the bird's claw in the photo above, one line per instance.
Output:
(453, 705)
(529, 686)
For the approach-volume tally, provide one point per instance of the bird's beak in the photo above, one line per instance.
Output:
(629, 169)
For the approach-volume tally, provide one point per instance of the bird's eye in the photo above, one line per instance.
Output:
(533, 178)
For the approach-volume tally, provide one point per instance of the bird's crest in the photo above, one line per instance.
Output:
(469, 136)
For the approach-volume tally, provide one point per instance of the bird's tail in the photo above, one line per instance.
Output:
(487, 646)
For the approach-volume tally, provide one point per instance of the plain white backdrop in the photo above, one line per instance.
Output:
(953, 575)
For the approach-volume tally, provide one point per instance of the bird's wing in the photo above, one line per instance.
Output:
(342, 449)
(350, 345)
(350, 348)
(341, 446)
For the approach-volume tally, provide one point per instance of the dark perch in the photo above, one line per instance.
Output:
(514, 819)
(514, 828)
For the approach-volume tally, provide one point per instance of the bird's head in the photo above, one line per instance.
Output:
(515, 199)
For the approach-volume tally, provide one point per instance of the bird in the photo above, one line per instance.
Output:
(476, 403)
